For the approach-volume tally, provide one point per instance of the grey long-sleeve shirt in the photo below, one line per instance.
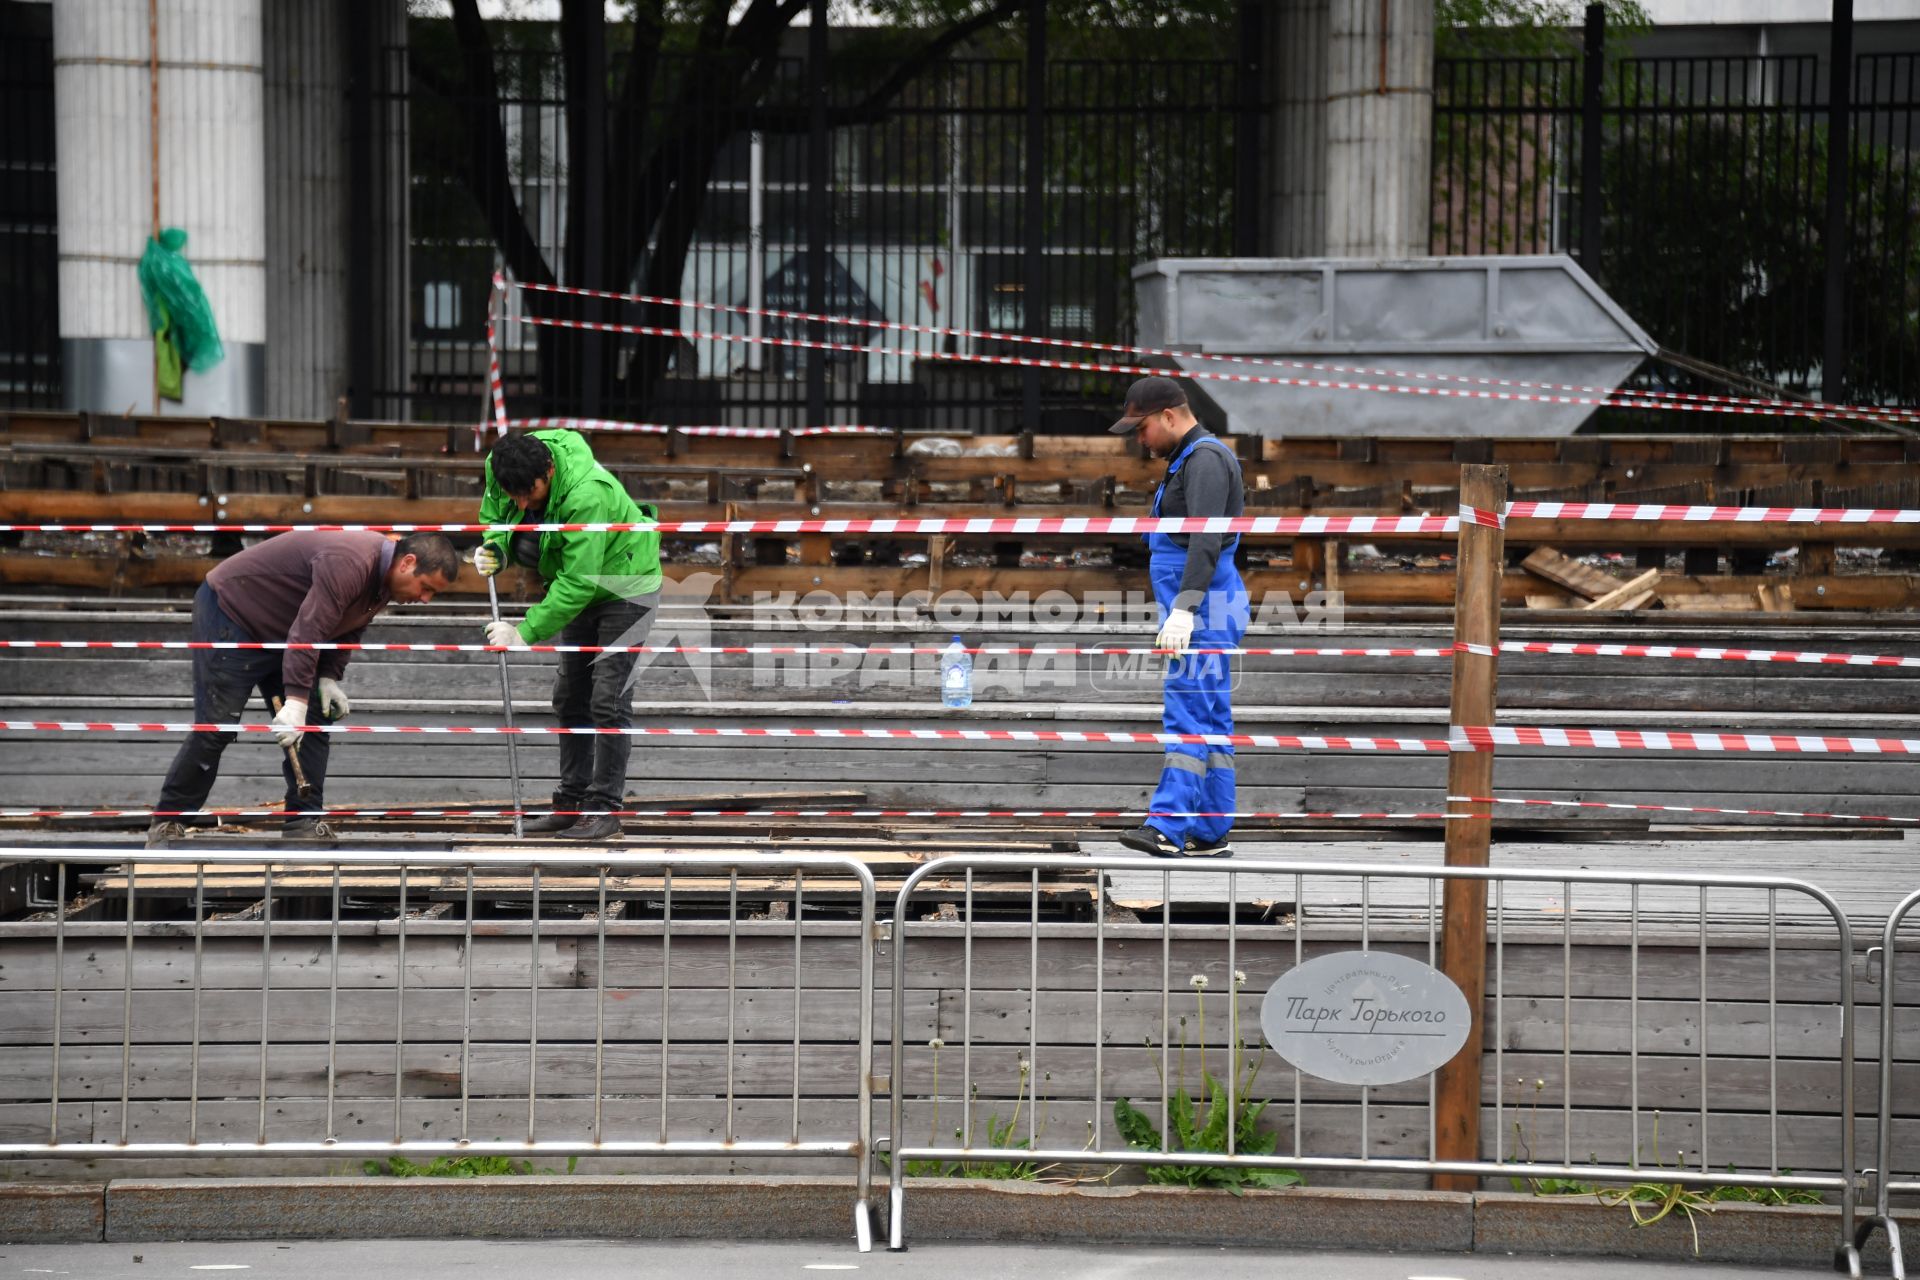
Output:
(1207, 484)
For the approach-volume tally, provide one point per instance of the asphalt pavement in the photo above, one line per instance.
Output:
(710, 1260)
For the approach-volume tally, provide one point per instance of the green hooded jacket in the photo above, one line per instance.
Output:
(581, 568)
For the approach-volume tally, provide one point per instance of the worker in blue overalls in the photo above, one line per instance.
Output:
(1202, 605)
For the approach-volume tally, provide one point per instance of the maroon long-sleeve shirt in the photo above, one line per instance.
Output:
(306, 587)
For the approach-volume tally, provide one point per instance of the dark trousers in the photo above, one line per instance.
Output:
(596, 689)
(223, 680)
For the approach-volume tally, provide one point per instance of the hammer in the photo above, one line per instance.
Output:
(301, 786)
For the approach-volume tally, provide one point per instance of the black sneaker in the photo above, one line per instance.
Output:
(603, 827)
(1201, 849)
(1152, 841)
(549, 823)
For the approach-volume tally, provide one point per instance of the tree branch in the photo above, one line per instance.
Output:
(874, 105)
(488, 177)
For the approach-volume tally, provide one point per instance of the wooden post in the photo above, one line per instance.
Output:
(1463, 933)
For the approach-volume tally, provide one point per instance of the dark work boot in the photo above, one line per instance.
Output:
(603, 827)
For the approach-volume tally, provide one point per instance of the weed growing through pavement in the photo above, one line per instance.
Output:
(1200, 1124)
(1648, 1201)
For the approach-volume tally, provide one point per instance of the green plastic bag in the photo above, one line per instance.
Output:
(166, 357)
(176, 304)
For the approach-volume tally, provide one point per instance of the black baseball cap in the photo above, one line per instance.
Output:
(1145, 397)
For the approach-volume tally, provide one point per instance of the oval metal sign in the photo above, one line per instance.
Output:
(1365, 1017)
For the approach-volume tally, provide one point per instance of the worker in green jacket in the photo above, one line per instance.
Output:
(603, 588)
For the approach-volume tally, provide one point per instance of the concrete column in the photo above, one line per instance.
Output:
(1353, 130)
(306, 208)
(1298, 167)
(210, 184)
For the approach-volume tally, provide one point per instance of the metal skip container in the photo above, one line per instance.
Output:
(1534, 319)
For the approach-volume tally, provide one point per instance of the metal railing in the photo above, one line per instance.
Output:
(172, 1051)
(1887, 1178)
(1661, 928)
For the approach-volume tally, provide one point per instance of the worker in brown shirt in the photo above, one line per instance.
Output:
(302, 587)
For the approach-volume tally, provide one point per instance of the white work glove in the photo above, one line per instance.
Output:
(486, 558)
(287, 721)
(333, 699)
(504, 635)
(1176, 632)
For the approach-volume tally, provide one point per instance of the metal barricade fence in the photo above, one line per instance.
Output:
(1061, 1023)
(292, 1025)
(1887, 1174)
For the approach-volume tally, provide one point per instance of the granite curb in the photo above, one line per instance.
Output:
(821, 1208)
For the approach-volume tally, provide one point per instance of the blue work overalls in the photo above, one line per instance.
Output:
(1198, 777)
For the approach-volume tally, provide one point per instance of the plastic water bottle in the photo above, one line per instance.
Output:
(956, 675)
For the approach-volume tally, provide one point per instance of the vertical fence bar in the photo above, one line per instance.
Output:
(1499, 1020)
(1166, 1010)
(1433, 955)
(666, 992)
(1233, 1012)
(400, 1007)
(333, 1001)
(1773, 1033)
(1633, 1021)
(199, 985)
(533, 1005)
(59, 991)
(733, 989)
(1100, 1000)
(799, 932)
(600, 1007)
(1033, 1008)
(126, 1010)
(1299, 956)
(266, 994)
(966, 1017)
(1566, 1022)
(1703, 1028)
(466, 1013)
(1366, 944)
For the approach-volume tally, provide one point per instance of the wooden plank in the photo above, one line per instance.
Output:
(1564, 571)
(1629, 594)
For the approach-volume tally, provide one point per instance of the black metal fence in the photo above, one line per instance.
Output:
(924, 225)
(1709, 222)
(1712, 213)
(29, 282)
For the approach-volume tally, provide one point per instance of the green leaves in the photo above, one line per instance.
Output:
(1194, 1131)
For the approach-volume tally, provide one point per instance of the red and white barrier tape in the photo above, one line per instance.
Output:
(495, 389)
(1562, 648)
(1299, 526)
(1707, 653)
(1311, 742)
(1643, 807)
(995, 650)
(1487, 737)
(1459, 737)
(1709, 515)
(610, 426)
(900, 525)
(1733, 403)
(1087, 366)
(467, 812)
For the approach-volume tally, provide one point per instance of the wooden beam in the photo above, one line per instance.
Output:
(1463, 954)
(1638, 589)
